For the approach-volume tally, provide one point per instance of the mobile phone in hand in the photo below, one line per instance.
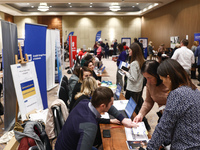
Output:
(124, 68)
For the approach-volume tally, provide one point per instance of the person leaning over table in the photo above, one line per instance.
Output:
(180, 122)
(156, 91)
(80, 128)
(87, 89)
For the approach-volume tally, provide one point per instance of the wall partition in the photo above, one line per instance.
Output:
(85, 28)
(10, 49)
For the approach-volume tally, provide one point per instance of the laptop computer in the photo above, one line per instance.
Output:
(129, 109)
(100, 66)
(102, 69)
(118, 92)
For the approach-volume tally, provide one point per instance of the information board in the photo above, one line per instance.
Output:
(26, 88)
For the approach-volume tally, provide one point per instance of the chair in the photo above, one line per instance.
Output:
(58, 119)
(64, 90)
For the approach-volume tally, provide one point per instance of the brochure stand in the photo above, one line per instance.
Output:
(21, 61)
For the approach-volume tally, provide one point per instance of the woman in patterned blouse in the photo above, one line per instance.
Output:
(180, 123)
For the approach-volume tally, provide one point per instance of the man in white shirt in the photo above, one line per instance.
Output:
(184, 56)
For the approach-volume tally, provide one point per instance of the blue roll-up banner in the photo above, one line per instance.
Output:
(98, 35)
(58, 70)
(35, 48)
(144, 41)
(197, 37)
(70, 34)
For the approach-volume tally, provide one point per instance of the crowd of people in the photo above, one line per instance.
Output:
(168, 83)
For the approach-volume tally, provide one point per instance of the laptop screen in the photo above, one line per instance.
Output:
(100, 66)
(130, 107)
(118, 91)
(103, 69)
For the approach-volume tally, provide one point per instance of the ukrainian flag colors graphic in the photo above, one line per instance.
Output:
(28, 89)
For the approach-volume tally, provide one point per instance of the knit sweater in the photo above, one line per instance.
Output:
(179, 124)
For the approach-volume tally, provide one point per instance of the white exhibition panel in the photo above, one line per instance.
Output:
(26, 88)
(50, 59)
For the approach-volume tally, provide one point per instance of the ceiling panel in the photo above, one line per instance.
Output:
(79, 7)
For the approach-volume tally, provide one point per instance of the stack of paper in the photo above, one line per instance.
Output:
(136, 137)
(141, 130)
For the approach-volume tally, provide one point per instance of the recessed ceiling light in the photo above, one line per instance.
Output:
(43, 7)
(114, 8)
(91, 3)
(90, 6)
(70, 6)
(137, 3)
(32, 6)
(69, 3)
(133, 6)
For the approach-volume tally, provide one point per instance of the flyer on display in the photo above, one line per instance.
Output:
(26, 88)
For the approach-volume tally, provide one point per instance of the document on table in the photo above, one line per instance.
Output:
(105, 115)
(132, 133)
(120, 104)
(141, 129)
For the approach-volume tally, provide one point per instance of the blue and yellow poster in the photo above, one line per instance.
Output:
(28, 89)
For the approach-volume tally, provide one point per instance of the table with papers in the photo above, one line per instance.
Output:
(119, 133)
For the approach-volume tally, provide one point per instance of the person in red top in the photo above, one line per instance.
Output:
(99, 51)
(81, 53)
(125, 46)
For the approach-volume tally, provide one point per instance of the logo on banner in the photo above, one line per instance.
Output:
(98, 35)
(197, 37)
(28, 89)
(70, 34)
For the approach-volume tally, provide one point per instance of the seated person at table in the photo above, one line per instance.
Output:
(73, 80)
(81, 53)
(180, 122)
(80, 128)
(86, 58)
(90, 65)
(87, 89)
(85, 72)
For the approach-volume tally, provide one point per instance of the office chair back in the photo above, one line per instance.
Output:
(64, 90)
(58, 119)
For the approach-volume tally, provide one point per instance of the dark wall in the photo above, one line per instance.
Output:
(179, 18)
(9, 18)
(53, 22)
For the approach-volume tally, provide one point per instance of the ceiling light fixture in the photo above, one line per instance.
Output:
(43, 7)
(114, 8)
(90, 6)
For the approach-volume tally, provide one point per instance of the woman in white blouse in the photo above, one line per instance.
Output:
(135, 78)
